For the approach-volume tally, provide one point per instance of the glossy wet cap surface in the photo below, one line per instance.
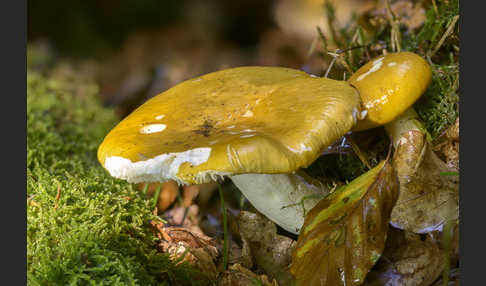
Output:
(390, 84)
(234, 121)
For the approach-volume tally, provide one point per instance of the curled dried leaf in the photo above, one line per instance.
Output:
(411, 15)
(344, 234)
(237, 275)
(450, 147)
(184, 245)
(270, 251)
(427, 198)
(407, 261)
(240, 254)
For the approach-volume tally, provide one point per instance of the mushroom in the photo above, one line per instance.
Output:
(255, 125)
(389, 85)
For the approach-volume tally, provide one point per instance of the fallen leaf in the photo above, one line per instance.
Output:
(450, 148)
(174, 217)
(411, 15)
(344, 234)
(184, 245)
(271, 252)
(427, 197)
(407, 261)
(302, 17)
(237, 275)
(240, 254)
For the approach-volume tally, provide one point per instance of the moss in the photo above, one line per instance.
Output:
(98, 234)
(438, 107)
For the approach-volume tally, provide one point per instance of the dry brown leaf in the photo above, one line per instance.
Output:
(191, 222)
(448, 242)
(407, 261)
(410, 14)
(450, 148)
(344, 234)
(185, 245)
(240, 254)
(270, 251)
(237, 275)
(427, 197)
(301, 17)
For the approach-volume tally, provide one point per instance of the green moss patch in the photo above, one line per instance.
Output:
(96, 232)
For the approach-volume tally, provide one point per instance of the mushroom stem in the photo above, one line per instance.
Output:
(422, 187)
(406, 122)
(283, 198)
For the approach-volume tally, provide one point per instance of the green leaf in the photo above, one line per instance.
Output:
(344, 234)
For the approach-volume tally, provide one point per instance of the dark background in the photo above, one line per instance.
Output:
(95, 28)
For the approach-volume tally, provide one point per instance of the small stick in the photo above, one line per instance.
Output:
(435, 8)
(358, 152)
(338, 53)
(395, 30)
(334, 56)
(450, 27)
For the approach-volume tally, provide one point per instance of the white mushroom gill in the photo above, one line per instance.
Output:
(157, 169)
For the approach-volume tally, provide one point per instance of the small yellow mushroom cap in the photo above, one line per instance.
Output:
(234, 121)
(388, 85)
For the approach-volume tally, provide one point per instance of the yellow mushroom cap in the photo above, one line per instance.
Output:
(234, 121)
(388, 85)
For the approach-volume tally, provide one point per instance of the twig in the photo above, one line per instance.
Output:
(334, 56)
(395, 29)
(435, 8)
(312, 47)
(337, 54)
(58, 196)
(450, 27)
(358, 152)
(329, 10)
